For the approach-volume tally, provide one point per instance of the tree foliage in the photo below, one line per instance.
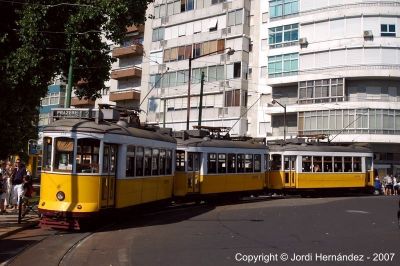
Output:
(36, 41)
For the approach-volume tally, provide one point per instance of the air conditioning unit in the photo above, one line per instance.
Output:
(163, 43)
(226, 5)
(222, 111)
(161, 68)
(303, 41)
(368, 34)
(164, 20)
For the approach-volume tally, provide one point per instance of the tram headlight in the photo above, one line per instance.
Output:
(60, 195)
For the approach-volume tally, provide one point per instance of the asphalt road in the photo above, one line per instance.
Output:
(294, 231)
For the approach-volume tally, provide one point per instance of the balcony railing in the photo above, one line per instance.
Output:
(131, 50)
(129, 72)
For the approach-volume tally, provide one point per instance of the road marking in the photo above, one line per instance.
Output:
(357, 211)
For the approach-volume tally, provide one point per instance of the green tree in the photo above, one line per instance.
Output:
(36, 41)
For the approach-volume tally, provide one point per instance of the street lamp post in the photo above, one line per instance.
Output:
(284, 117)
(191, 58)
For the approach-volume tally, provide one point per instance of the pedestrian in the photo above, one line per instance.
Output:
(17, 182)
(2, 186)
(388, 185)
(8, 185)
(396, 183)
(377, 186)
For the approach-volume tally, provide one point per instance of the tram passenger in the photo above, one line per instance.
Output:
(317, 168)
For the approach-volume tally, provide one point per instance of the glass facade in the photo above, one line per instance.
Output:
(283, 35)
(283, 65)
(282, 8)
(351, 121)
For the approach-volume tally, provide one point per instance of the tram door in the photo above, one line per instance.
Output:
(108, 177)
(193, 172)
(290, 171)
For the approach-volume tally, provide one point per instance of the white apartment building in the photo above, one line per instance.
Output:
(202, 29)
(335, 65)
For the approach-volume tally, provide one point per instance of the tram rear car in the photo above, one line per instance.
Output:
(300, 168)
(90, 168)
(207, 166)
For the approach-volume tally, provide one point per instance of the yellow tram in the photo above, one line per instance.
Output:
(91, 165)
(209, 166)
(301, 167)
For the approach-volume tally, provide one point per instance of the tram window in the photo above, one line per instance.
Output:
(286, 163)
(306, 163)
(155, 162)
(64, 154)
(130, 161)
(368, 162)
(257, 162)
(276, 162)
(212, 163)
(221, 163)
(240, 163)
(266, 161)
(162, 162)
(87, 156)
(231, 163)
(190, 162)
(106, 159)
(47, 150)
(168, 163)
(113, 159)
(180, 160)
(327, 164)
(317, 164)
(147, 161)
(338, 164)
(356, 164)
(249, 163)
(347, 164)
(139, 161)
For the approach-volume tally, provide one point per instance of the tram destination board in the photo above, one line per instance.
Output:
(59, 113)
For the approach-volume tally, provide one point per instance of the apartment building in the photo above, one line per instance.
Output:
(335, 67)
(204, 32)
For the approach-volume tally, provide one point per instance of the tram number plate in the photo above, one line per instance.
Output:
(71, 113)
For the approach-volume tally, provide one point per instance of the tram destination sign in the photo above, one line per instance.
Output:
(73, 113)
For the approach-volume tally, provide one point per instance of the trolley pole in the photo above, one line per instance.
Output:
(201, 99)
(284, 117)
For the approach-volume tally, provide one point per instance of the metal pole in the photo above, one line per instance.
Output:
(67, 103)
(188, 96)
(201, 99)
(284, 123)
(165, 110)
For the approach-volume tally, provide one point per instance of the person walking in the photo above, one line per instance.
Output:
(388, 185)
(17, 182)
(2, 187)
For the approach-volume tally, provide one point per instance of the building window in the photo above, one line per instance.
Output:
(158, 34)
(388, 30)
(235, 17)
(283, 35)
(214, 2)
(283, 65)
(282, 8)
(318, 91)
(265, 17)
(232, 98)
(197, 49)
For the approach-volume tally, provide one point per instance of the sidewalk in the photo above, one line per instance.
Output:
(9, 223)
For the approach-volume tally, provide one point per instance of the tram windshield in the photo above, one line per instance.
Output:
(64, 153)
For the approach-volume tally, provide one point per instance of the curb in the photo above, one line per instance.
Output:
(23, 227)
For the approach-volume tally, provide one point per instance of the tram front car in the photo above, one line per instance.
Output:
(84, 170)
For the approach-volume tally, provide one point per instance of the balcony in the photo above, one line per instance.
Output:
(134, 28)
(116, 96)
(131, 50)
(122, 73)
(75, 101)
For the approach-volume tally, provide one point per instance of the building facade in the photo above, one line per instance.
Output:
(204, 32)
(333, 65)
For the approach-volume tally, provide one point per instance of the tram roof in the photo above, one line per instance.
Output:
(318, 147)
(104, 127)
(219, 143)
